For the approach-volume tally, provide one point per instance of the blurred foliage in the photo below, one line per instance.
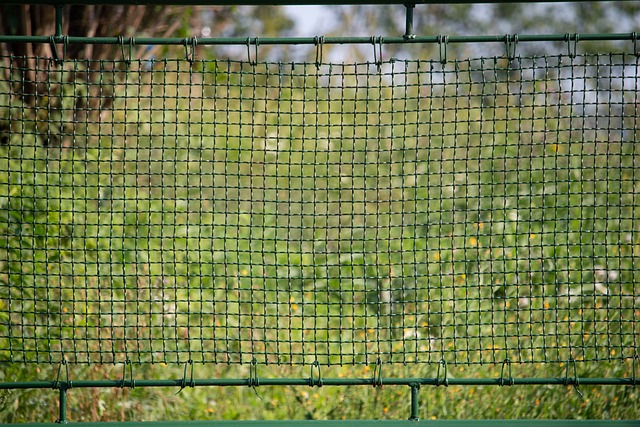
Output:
(119, 20)
(488, 19)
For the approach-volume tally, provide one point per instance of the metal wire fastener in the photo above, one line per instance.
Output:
(132, 382)
(256, 43)
(377, 374)
(254, 381)
(509, 381)
(377, 54)
(315, 380)
(511, 43)
(127, 61)
(442, 45)
(56, 383)
(445, 381)
(319, 42)
(190, 49)
(575, 381)
(568, 37)
(54, 49)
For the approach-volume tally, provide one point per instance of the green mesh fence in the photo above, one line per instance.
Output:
(220, 211)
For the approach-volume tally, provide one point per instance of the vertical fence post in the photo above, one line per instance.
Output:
(408, 33)
(415, 404)
(62, 401)
(58, 20)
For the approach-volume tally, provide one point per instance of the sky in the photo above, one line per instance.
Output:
(310, 20)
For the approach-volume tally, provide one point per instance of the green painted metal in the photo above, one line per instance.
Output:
(299, 382)
(415, 404)
(253, 41)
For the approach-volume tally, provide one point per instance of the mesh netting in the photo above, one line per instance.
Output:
(224, 211)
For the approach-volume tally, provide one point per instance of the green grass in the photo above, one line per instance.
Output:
(218, 215)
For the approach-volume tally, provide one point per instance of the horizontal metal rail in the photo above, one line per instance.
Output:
(256, 41)
(317, 382)
(63, 387)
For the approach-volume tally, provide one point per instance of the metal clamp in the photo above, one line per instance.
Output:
(445, 381)
(510, 380)
(442, 45)
(511, 43)
(132, 382)
(377, 54)
(319, 42)
(315, 380)
(184, 375)
(572, 52)
(256, 43)
(57, 385)
(253, 380)
(634, 378)
(377, 374)
(190, 49)
(54, 49)
(575, 381)
(132, 42)
(634, 39)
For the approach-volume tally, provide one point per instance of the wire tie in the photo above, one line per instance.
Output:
(249, 50)
(379, 63)
(253, 380)
(319, 42)
(575, 381)
(442, 44)
(634, 38)
(126, 61)
(315, 380)
(377, 374)
(375, 53)
(132, 383)
(256, 42)
(57, 384)
(576, 37)
(510, 381)
(442, 363)
(511, 42)
(190, 49)
(184, 383)
(54, 49)
(634, 378)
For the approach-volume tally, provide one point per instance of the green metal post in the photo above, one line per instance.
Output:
(415, 387)
(58, 20)
(63, 405)
(408, 34)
